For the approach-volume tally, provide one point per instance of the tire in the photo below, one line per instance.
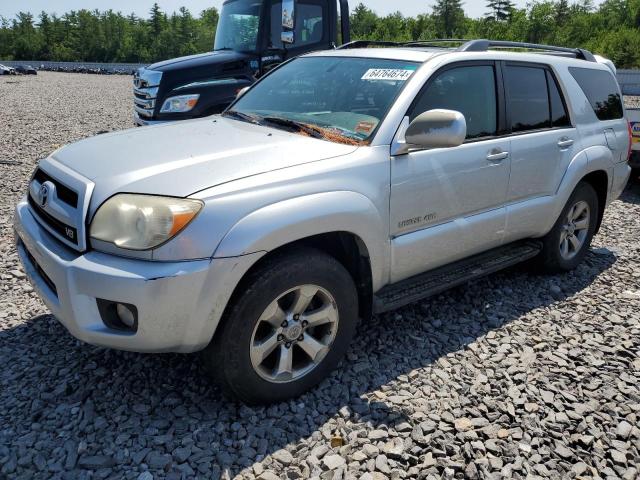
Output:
(238, 357)
(560, 253)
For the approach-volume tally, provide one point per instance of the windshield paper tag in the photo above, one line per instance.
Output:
(387, 74)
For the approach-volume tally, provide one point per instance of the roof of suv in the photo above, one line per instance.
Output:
(422, 54)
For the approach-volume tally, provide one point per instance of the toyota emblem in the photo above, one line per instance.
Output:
(44, 195)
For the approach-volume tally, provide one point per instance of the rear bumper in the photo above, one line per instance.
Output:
(179, 304)
(621, 173)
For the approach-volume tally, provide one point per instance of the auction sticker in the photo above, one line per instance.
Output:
(635, 131)
(387, 74)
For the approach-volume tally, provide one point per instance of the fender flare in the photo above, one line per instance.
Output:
(593, 159)
(285, 222)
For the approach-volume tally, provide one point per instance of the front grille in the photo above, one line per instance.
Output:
(145, 91)
(65, 194)
(61, 228)
(59, 200)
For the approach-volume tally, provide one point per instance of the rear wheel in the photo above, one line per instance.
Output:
(287, 330)
(569, 240)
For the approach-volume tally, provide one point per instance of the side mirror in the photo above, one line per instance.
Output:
(242, 91)
(437, 129)
(288, 21)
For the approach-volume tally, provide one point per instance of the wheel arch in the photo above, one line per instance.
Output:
(599, 180)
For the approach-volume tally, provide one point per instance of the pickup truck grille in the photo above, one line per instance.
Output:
(59, 199)
(145, 91)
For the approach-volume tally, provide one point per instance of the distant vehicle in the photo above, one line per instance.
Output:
(253, 37)
(26, 70)
(4, 70)
(633, 115)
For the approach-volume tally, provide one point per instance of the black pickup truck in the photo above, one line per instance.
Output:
(253, 37)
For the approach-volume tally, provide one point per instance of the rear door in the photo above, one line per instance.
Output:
(543, 143)
(543, 138)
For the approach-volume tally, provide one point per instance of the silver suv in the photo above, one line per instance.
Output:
(343, 184)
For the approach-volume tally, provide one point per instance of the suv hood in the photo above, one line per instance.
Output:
(201, 60)
(183, 158)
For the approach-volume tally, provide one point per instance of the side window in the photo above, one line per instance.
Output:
(469, 90)
(601, 90)
(559, 115)
(309, 24)
(527, 98)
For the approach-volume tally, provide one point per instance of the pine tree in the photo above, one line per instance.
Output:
(563, 11)
(500, 10)
(449, 17)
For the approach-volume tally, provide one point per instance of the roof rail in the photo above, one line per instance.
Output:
(437, 42)
(484, 45)
(367, 43)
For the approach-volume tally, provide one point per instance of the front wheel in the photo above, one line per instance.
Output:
(287, 330)
(566, 245)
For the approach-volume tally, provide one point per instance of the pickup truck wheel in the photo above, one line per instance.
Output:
(288, 329)
(566, 245)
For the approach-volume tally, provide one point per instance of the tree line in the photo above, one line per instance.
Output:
(611, 29)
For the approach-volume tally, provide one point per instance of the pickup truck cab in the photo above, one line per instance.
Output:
(343, 184)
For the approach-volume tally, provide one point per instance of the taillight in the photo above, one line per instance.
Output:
(630, 141)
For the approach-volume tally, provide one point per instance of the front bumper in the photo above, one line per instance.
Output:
(142, 121)
(179, 303)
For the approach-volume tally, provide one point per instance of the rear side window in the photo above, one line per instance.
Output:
(469, 90)
(528, 98)
(601, 90)
(559, 115)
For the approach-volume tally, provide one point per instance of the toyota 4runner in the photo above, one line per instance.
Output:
(343, 184)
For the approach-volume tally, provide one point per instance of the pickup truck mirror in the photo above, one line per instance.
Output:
(288, 21)
(437, 129)
(242, 91)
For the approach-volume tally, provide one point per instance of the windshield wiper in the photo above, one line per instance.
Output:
(312, 131)
(245, 117)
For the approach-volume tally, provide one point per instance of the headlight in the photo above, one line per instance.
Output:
(142, 222)
(179, 104)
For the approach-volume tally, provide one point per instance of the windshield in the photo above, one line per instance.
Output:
(238, 26)
(338, 99)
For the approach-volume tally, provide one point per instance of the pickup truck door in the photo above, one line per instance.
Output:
(447, 204)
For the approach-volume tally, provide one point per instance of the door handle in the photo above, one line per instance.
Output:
(565, 142)
(496, 156)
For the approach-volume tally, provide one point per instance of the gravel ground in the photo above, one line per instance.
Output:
(514, 376)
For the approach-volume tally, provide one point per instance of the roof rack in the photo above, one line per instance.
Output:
(475, 46)
(484, 45)
(437, 42)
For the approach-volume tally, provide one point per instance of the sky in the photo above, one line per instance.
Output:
(8, 8)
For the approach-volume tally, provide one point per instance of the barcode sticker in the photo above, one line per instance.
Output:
(387, 74)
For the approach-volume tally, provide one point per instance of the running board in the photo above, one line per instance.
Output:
(443, 278)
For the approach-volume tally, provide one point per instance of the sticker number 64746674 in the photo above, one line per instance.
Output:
(387, 74)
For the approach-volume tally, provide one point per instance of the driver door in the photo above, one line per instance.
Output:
(448, 204)
(311, 32)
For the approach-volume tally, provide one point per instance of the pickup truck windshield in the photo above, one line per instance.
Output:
(341, 99)
(238, 26)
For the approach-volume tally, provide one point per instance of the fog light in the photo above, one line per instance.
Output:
(118, 316)
(125, 315)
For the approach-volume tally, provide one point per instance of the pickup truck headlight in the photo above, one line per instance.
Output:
(142, 222)
(180, 104)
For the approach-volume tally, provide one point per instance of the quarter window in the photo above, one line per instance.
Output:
(601, 90)
(469, 90)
